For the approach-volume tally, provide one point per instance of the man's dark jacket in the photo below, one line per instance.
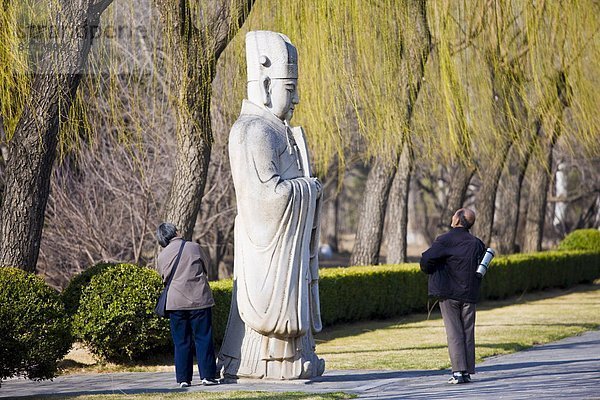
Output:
(451, 262)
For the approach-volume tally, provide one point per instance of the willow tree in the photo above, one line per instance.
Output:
(389, 64)
(501, 47)
(566, 68)
(416, 42)
(442, 124)
(36, 95)
(541, 59)
(505, 82)
(196, 34)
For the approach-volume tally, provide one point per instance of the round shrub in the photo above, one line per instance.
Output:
(116, 317)
(72, 293)
(34, 330)
(582, 239)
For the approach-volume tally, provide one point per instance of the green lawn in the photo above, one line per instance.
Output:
(416, 342)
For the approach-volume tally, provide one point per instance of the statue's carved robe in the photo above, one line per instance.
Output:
(275, 305)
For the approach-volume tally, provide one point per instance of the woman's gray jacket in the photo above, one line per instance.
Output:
(189, 288)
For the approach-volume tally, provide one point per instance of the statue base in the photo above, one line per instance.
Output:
(267, 357)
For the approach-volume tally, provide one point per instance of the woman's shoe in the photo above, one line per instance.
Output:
(209, 381)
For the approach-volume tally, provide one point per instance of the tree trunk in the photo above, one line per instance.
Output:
(398, 209)
(541, 166)
(370, 224)
(197, 34)
(485, 201)
(329, 218)
(3, 157)
(510, 117)
(510, 205)
(32, 148)
(536, 207)
(417, 46)
(457, 192)
(194, 144)
(539, 182)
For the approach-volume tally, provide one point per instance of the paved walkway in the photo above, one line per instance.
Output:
(568, 369)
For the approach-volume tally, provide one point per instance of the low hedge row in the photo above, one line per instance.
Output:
(517, 273)
(117, 306)
(383, 291)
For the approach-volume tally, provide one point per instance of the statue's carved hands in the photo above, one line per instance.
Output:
(319, 186)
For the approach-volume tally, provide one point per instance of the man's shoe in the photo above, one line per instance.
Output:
(209, 381)
(184, 384)
(456, 378)
(467, 377)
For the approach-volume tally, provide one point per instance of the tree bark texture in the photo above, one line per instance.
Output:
(457, 192)
(370, 224)
(3, 157)
(539, 182)
(416, 41)
(197, 33)
(32, 148)
(511, 201)
(511, 119)
(485, 200)
(548, 132)
(329, 218)
(397, 216)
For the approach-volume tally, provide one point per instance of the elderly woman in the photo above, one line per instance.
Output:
(189, 305)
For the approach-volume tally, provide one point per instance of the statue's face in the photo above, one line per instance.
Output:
(283, 94)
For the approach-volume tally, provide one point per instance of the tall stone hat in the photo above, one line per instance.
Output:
(270, 54)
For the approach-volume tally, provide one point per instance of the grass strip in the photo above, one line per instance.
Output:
(502, 327)
(416, 342)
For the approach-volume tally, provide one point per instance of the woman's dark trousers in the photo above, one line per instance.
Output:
(193, 329)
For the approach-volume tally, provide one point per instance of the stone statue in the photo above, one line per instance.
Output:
(275, 307)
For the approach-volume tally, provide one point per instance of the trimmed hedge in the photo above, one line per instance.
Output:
(582, 239)
(517, 273)
(34, 331)
(116, 317)
(358, 293)
(383, 291)
(116, 312)
(71, 295)
(222, 294)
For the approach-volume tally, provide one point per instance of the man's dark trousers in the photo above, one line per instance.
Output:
(189, 329)
(459, 320)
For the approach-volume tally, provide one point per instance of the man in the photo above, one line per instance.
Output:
(451, 263)
(275, 306)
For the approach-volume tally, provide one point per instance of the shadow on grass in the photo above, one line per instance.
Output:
(549, 293)
(323, 353)
(158, 359)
